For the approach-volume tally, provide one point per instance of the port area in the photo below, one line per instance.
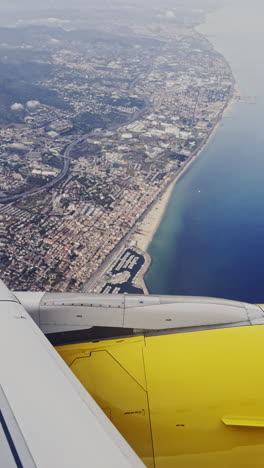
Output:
(126, 273)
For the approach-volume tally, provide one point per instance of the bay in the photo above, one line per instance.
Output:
(211, 238)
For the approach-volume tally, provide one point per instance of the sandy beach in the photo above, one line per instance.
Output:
(145, 232)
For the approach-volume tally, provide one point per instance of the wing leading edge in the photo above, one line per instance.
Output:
(46, 415)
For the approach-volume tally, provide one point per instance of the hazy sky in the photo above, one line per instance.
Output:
(39, 4)
(43, 4)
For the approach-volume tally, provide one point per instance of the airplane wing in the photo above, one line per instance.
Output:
(47, 418)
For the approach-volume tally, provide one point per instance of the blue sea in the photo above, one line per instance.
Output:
(211, 239)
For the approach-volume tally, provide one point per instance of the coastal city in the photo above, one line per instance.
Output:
(105, 127)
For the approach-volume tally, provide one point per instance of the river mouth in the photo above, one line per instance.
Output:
(211, 239)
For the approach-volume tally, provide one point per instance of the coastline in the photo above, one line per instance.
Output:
(145, 232)
(148, 227)
(142, 233)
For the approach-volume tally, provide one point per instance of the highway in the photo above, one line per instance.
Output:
(66, 155)
(52, 183)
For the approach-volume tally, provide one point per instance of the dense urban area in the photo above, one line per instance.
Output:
(94, 126)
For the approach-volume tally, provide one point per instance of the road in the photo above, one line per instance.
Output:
(52, 183)
(66, 155)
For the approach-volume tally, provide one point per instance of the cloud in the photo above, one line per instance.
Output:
(57, 21)
(33, 104)
(170, 14)
(17, 106)
(44, 21)
(55, 41)
(17, 147)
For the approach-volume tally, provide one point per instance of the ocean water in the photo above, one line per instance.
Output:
(211, 239)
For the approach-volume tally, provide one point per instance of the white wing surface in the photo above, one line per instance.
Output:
(47, 419)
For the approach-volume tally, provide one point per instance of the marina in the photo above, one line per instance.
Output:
(123, 276)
